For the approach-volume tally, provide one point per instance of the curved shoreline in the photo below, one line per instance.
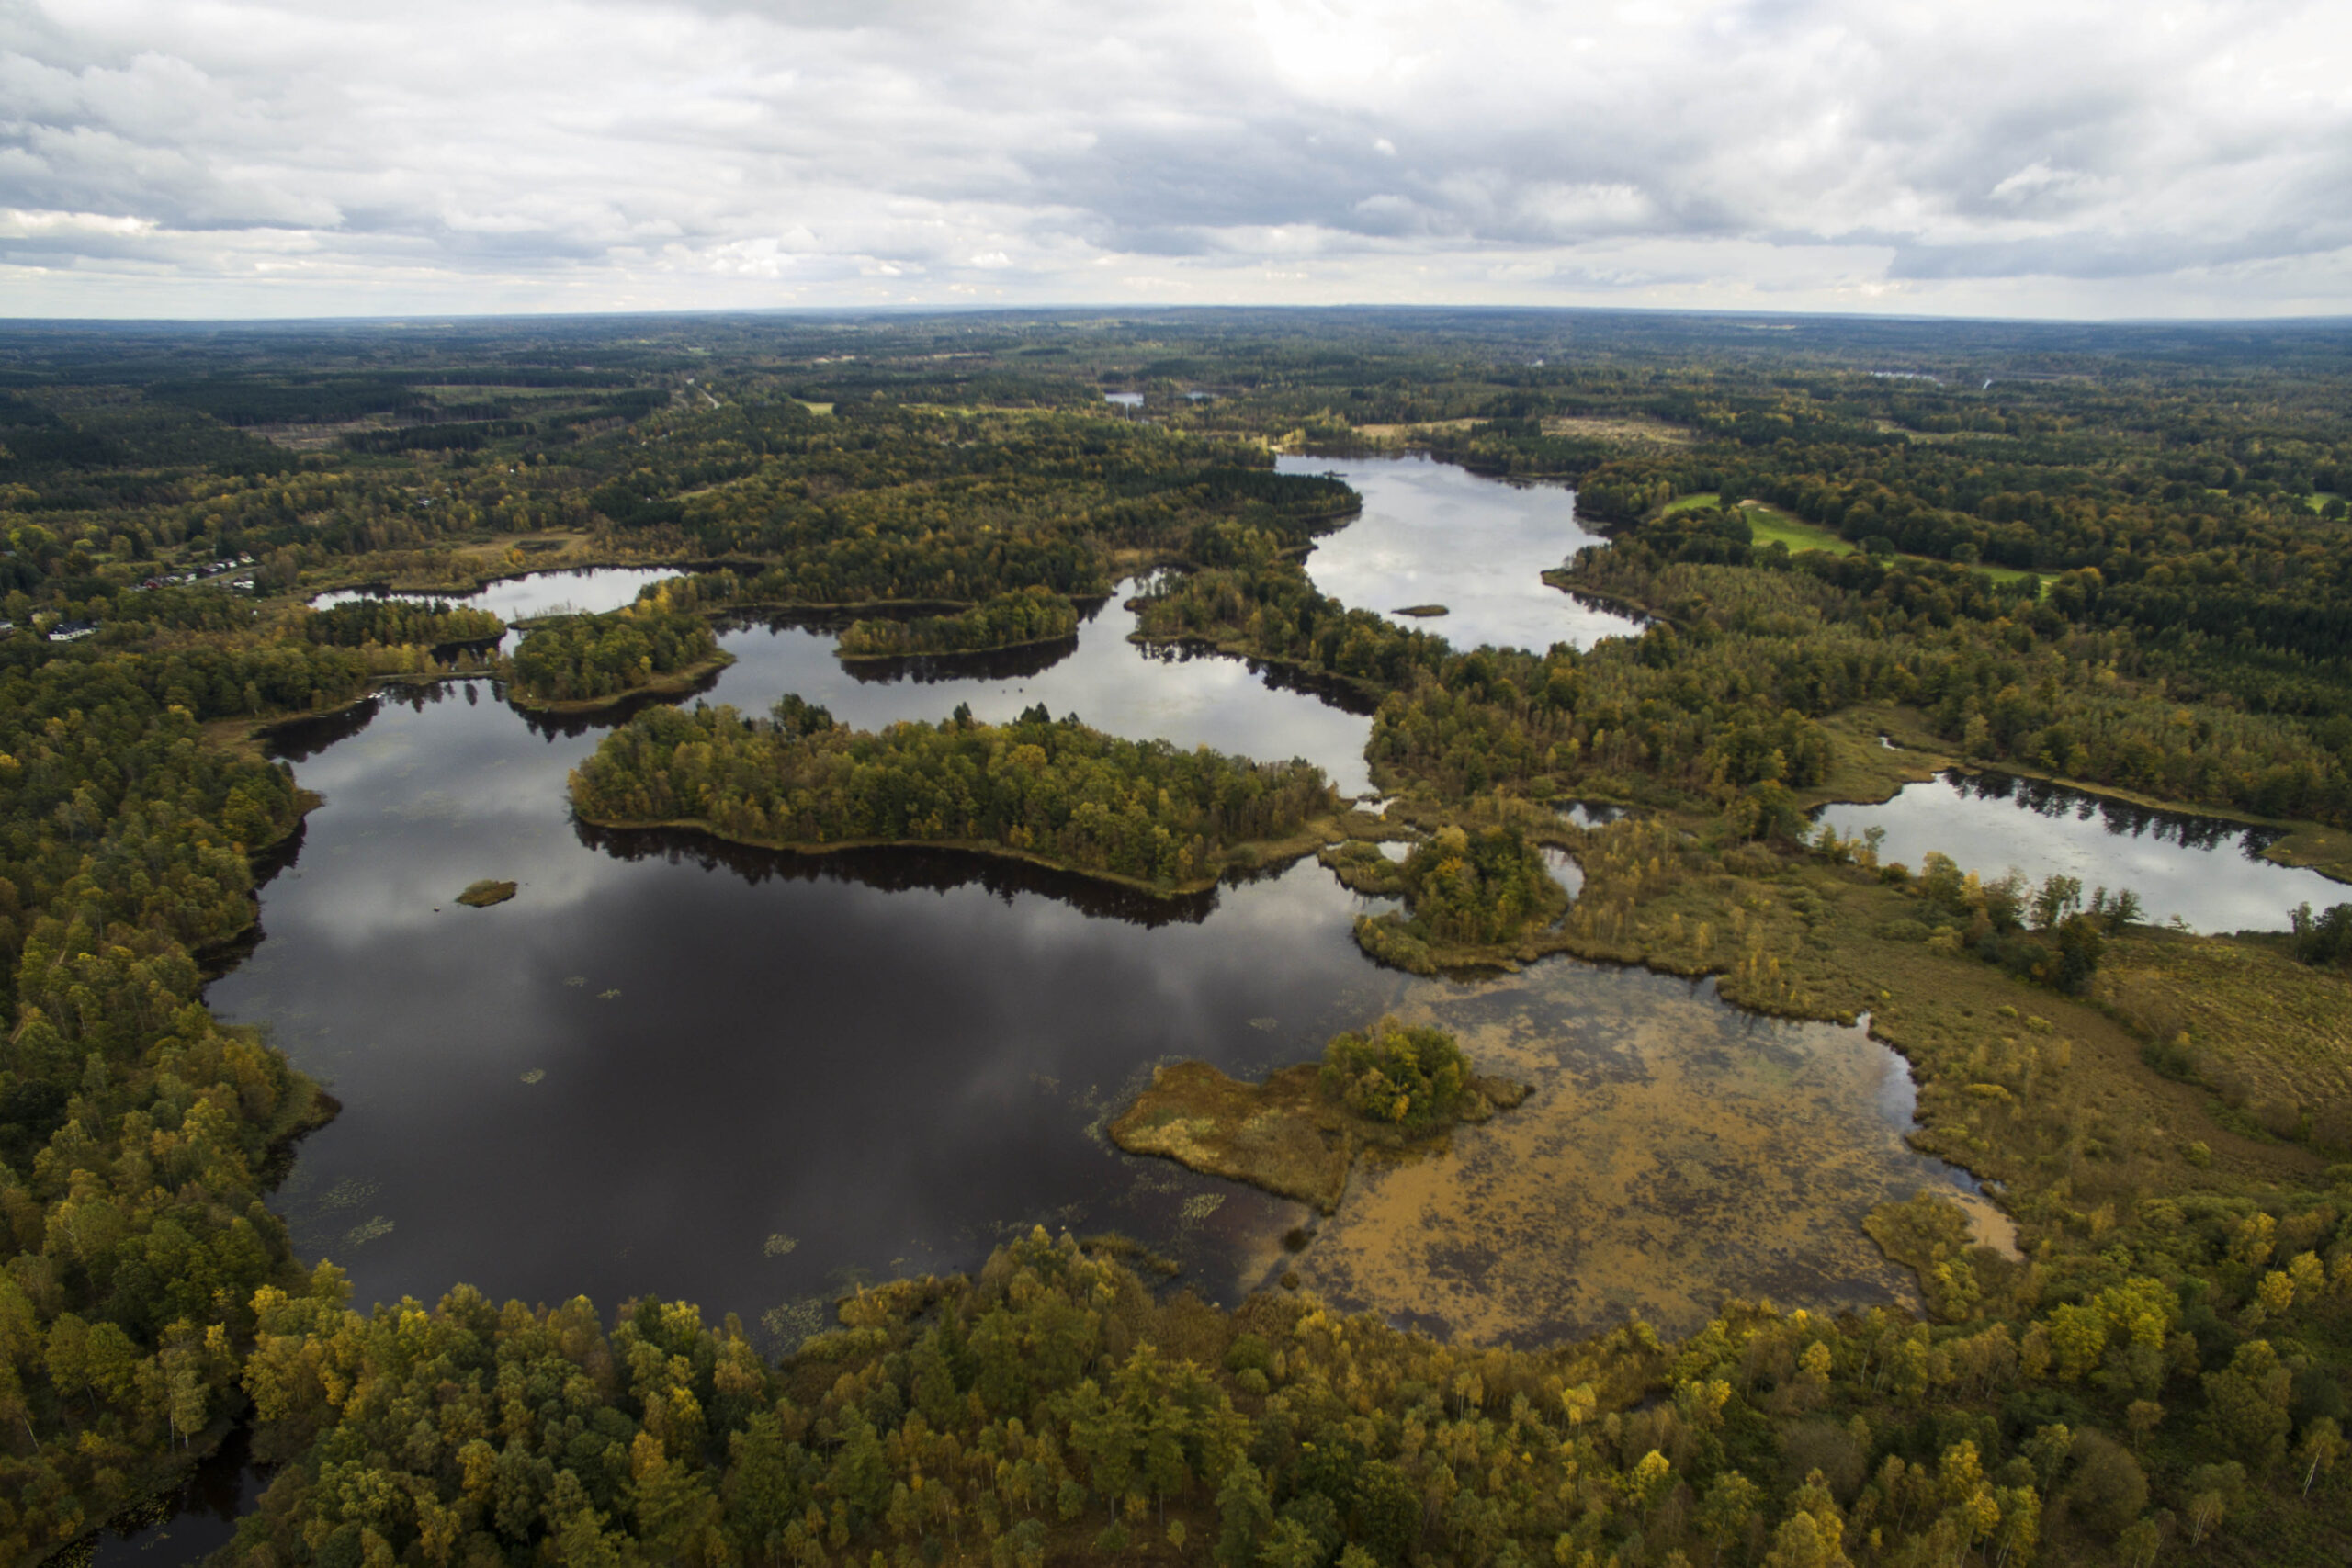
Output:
(950, 652)
(676, 682)
(1271, 852)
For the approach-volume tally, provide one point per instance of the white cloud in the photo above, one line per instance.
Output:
(255, 157)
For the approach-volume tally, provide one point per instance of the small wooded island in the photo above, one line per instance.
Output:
(585, 662)
(1018, 619)
(1041, 789)
(1297, 1135)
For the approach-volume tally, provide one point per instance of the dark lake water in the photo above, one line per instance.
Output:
(2207, 871)
(1433, 533)
(663, 1055)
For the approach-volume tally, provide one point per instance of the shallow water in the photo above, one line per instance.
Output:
(1675, 1152)
(1435, 534)
(2205, 872)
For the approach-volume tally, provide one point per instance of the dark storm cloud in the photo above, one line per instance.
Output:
(254, 156)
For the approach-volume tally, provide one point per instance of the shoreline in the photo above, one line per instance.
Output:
(950, 652)
(676, 682)
(1282, 1134)
(1271, 852)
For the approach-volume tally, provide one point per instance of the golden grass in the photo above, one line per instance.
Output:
(2271, 1035)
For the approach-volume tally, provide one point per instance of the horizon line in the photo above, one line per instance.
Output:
(10, 323)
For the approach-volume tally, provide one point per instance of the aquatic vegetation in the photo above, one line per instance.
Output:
(1298, 1133)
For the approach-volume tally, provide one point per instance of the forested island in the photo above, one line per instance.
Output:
(2111, 555)
(1043, 788)
(588, 661)
(1008, 620)
(1470, 900)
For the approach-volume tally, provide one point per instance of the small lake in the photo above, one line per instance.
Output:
(1434, 533)
(740, 1078)
(2205, 872)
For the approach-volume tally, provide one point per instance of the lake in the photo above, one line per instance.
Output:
(2205, 872)
(1434, 533)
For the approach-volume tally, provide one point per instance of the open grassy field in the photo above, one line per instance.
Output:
(1770, 526)
(1773, 526)
(2272, 1036)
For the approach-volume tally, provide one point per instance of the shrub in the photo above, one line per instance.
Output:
(1409, 1077)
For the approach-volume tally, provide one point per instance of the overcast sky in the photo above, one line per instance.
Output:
(315, 157)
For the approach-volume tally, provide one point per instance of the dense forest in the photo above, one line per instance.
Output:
(1144, 810)
(2111, 555)
(398, 622)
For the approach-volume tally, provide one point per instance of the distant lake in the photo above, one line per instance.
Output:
(2207, 872)
(1434, 534)
(590, 589)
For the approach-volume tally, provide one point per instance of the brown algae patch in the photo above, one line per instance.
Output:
(1285, 1135)
(1675, 1152)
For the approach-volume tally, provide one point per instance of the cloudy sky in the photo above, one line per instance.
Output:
(313, 157)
